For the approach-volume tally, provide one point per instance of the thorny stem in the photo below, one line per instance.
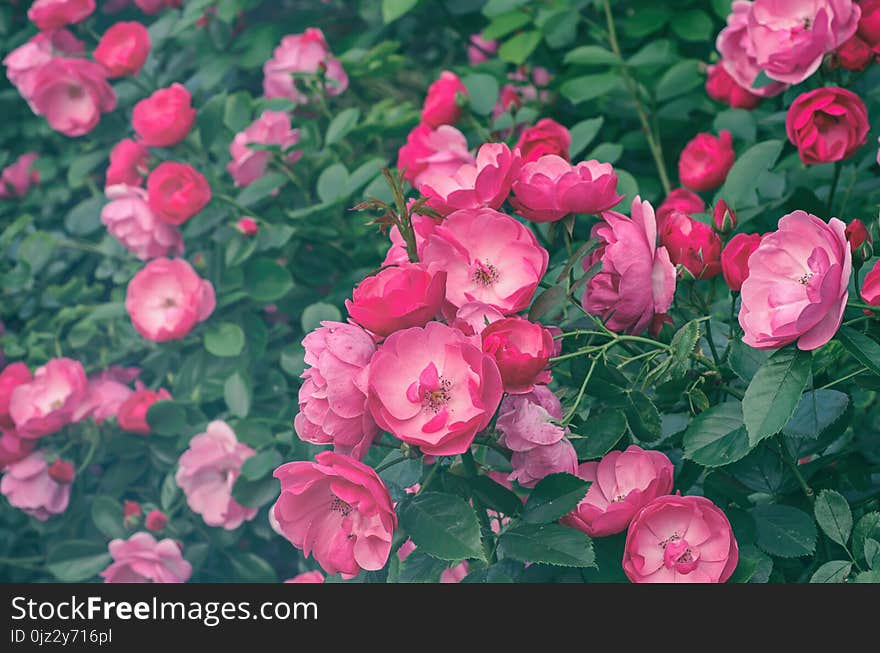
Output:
(845, 378)
(430, 477)
(470, 468)
(577, 402)
(792, 464)
(838, 166)
(390, 463)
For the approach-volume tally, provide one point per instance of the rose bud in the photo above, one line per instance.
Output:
(722, 87)
(827, 124)
(132, 415)
(247, 226)
(62, 472)
(869, 22)
(177, 191)
(706, 160)
(130, 510)
(165, 118)
(859, 239)
(854, 55)
(129, 162)
(17, 178)
(546, 137)
(691, 244)
(441, 103)
(123, 49)
(156, 521)
(723, 217)
(735, 259)
(680, 199)
(522, 350)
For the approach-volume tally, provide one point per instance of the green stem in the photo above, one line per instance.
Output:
(711, 340)
(867, 307)
(792, 464)
(430, 477)
(390, 463)
(470, 468)
(577, 402)
(845, 378)
(838, 166)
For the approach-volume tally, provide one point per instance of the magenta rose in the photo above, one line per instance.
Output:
(305, 53)
(735, 259)
(52, 14)
(132, 413)
(441, 103)
(705, 161)
(522, 350)
(692, 244)
(176, 192)
(72, 94)
(546, 137)
(432, 152)
(129, 162)
(141, 559)
(12, 376)
(722, 87)
(29, 485)
(47, 403)
(17, 179)
(123, 49)
(271, 128)
(680, 199)
(130, 220)
(165, 118)
(827, 124)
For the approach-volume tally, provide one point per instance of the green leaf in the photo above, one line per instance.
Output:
(774, 393)
(583, 133)
(591, 55)
(37, 249)
(495, 8)
(683, 344)
(835, 571)
(107, 516)
(834, 516)
(341, 125)
(717, 436)
(442, 525)
(237, 112)
(85, 217)
(261, 188)
(333, 183)
(169, 492)
(166, 418)
(394, 9)
(589, 87)
(679, 79)
(518, 49)
(739, 189)
(554, 497)
(251, 568)
(83, 166)
(261, 464)
(549, 300)
(224, 339)
(868, 527)
(745, 361)
(75, 561)
(237, 394)
(210, 119)
(255, 494)
(482, 91)
(694, 25)
(784, 531)
(872, 553)
(419, 567)
(504, 24)
(657, 53)
(266, 281)
(494, 496)
(642, 417)
(599, 434)
(293, 359)
(863, 349)
(319, 312)
(817, 411)
(549, 544)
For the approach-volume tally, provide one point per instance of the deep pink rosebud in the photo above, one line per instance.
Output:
(165, 118)
(62, 472)
(522, 350)
(132, 414)
(869, 22)
(827, 124)
(247, 226)
(123, 49)
(17, 179)
(441, 104)
(854, 54)
(706, 160)
(129, 163)
(722, 87)
(871, 288)
(857, 236)
(680, 199)
(155, 521)
(691, 244)
(735, 259)
(546, 137)
(130, 510)
(723, 217)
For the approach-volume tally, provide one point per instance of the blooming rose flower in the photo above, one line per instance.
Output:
(129, 162)
(23, 63)
(456, 573)
(177, 191)
(871, 287)
(166, 299)
(827, 124)
(397, 298)
(29, 486)
(433, 387)
(433, 152)
(105, 393)
(132, 414)
(16, 179)
(132, 222)
(722, 87)
(485, 183)
(637, 279)
(706, 160)
(550, 188)
(735, 259)
(790, 37)
(333, 396)
(441, 103)
(531, 466)
(854, 54)
(155, 521)
(314, 577)
(522, 350)
(680, 199)
(141, 559)
(271, 128)
(305, 53)
(797, 284)
(71, 94)
(123, 49)
(473, 317)
(165, 118)
(691, 244)
(12, 376)
(480, 49)
(47, 403)
(151, 7)
(338, 510)
(546, 137)
(677, 539)
(738, 54)
(423, 226)
(206, 472)
(623, 482)
(52, 14)
(13, 448)
(488, 257)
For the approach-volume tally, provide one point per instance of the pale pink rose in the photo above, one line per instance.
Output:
(13, 448)
(423, 226)
(488, 257)
(72, 94)
(130, 220)
(29, 486)
(527, 421)
(473, 317)
(797, 284)
(428, 152)
(456, 573)
(531, 466)
(309, 577)
(433, 387)
(677, 539)
(23, 63)
(166, 299)
(12, 376)
(637, 279)
(129, 162)
(141, 559)
(789, 38)
(333, 396)
(406, 549)
(47, 403)
(622, 483)
(206, 472)
(17, 179)
(52, 14)
(485, 183)
(480, 49)
(738, 54)
(550, 188)
(302, 53)
(271, 128)
(338, 510)
(105, 393)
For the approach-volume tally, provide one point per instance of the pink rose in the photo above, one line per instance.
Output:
(165, 118)
(132, 222)
(797, 284)
(433, 387)
(488, 257)
(722, 87)
(738, 53)
(531, 466)
(52, 14)
(522, 350)
(12, 376)
(132, 413)
(854, 54)
(550, 188)
(509, 99)
(397, 298)
(13, 448)
(735, 259)
(129, 162)
(706, 160)
(312, 577)
(423, 226)
(47, 403)
(723, 217)
(692, 244)
(680, 199)
(637, 278)
(441, 103)
(338, 510)
(105, 393)
(247, 226)
(473, 317)
(869, 22)
(827, 124)
(206, 472)
(176, 192)
(480, 49)
(156, 521)
(432, 152)
(72, 94)
(456, 573)
(305, 53)
(123, 49)
(141, 559)
(623, 482)
(546, 137)
(16, 179)
(271, 128)
(789, 38)
(871, 287)
(23, 63)
(333, 396)
(166, 299)
(28, 486)
(485, 183)
(677, 539)
(151, 7)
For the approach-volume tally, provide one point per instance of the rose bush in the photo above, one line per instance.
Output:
(358, 291)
